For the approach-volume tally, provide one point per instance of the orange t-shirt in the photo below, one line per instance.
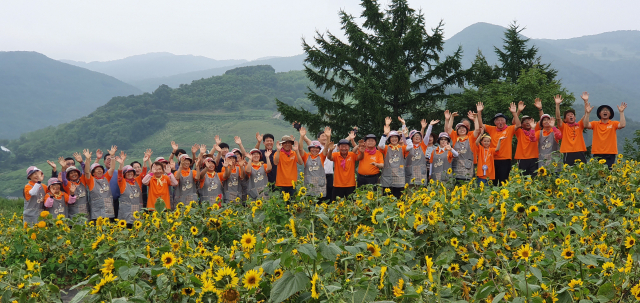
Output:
(438, 152)
(256, 167)
(344, 177)
(605, 139)
(65, 196)
(306, 156)
(287, 170)
(365, 167)
(572, 138)
(404, 150)
(485, 157)
(212, 175)
(159, 188)
(29, 186)
(525, 149)
(185, 173)
(506, 150)
(89, 179)
(122, 183)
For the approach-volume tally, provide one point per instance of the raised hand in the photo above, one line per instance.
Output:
(99, 154)
(217, 138)
(147, 155)
(259, 137)
(423, 123)
(502, 138)
(63, 163)
(72, 187)
(481, 129)
(387, 121)
(447, 114)
(113, 150)
(303, 131)
(123, 156)
(361, 146)
(454, 114)
(52, 164)
(217, 148)
(78, 157)
(521, 106)
(401, 120)
(471, 115)
(295, 145)
(268, 153)
(203, 149)
(174, 146)
(86, 153)
(327, 131)
(330, 145)
(588, 108)
(552, 122)
(538, 103)
(479, 107)
(622, 107)
(352, 135)
(279, 145)
(387, 129)
(434, 122)
(237, 140)
(512, 108)
(195, 148)
(447, 146)
(558, 99)
(120, 160)
(585, 97)
(167, 167)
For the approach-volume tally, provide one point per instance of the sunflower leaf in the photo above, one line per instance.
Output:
(288, 285)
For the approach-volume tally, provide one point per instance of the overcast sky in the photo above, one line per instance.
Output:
(90, 30)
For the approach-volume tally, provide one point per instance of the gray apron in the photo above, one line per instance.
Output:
(393, 171)
(547, 146)
(244, 189)
(82, 201)
(101, 200)
(440, 166)
(211, 189)
(130, 202)
(463, 164)
(186, 190)
(33, 207)
(232, 186)
(59, 207)
(258, 183)
(315, 179)
(416, 167)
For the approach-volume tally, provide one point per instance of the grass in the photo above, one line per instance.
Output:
(9, 207)
(184, 128)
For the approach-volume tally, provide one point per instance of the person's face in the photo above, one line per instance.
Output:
(70, 163)
(416, 139)
(526, 124)
(287, 145)
(232, 160)
(268, 143)
(344, 148)
(430, 140)
(238, 154)
(394, 140)
(107, 163)
(225, 150)
(486, 142)
(500, 122)
(462, 131)
(55, 188)
(443, 141)
(545, 122)
(157, 170)
(605, 114)
(37, 176)
(370, 143)
(137, 168)
(322, 139)
(314, 151)
(185, 164)
(98, 172)
(73, 175)
(130, 175)
(255, 157)
(210, 165)
(570, 117)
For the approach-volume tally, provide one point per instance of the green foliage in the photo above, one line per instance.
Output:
(632, 147)
(389, 66)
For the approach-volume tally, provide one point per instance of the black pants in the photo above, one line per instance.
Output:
(116, 206)
(329, 195)
(503, 168)
(287, 189)
(570, 158)
(395, 191)
(529, 166)
(342, 192)
(368, 179)
(610, 158)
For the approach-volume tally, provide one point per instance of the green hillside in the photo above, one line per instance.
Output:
(36, 92)
(240, 103)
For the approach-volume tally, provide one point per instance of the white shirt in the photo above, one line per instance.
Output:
(328, 164)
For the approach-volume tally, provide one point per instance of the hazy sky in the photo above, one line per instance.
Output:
(90, 30)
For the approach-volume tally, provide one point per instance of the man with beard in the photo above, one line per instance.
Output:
(605, 141)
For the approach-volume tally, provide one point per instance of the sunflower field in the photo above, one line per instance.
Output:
(559, 237)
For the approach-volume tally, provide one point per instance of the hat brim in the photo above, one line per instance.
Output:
(601, 107)
(501, 116)
(97, 167)
(32, 172)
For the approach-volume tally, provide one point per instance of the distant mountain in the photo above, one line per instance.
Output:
(280, 64)
(153, 65)
(36, 92)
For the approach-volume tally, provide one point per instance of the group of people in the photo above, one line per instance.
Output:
(395, 161)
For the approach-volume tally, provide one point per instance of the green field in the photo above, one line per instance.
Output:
(184, 128)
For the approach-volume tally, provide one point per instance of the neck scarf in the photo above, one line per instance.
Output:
(531, 134)
(343, 162)
(286, 152)
(394, 147)
(501, 129)
(460, 139)
(58, 196)
(130, 181)
(158, 181)
(371, 152)
(572, 124)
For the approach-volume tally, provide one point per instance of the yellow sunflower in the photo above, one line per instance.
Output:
(227, 275)
(374, 249)
(454, 242)
(252, 279)
(359, 257)
(314, 287)
(525, 252)
(629, 242)
(122, 223)
(519, 208)
(107, 267)
(168, 259)
(454, 267)
(137, 224)
(567, 253)
(194, 230)
(277, 274)
(188, 291)
(248, 241)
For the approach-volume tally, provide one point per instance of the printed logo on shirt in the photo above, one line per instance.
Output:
(610, 126)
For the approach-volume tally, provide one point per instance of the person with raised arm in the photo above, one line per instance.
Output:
(344, 181)
(463, 142)
(56, 200)
(485, 154)
(72, 176)
(549, 141)
(33, 193)
(371, 164)
(159, 181)
(268, 140)
(527, 146)
(393, 173)
(430, 140)
(97, 181)
(287, 160)
(244, 182)
(233, 171)
(605, 139)
(186, 190)
(572, 146)
(502, 161)
(315, 180)
(256, 172)
(442, 158)
(415, 172)
(211, 181)
(130, 189)
(142, 169)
